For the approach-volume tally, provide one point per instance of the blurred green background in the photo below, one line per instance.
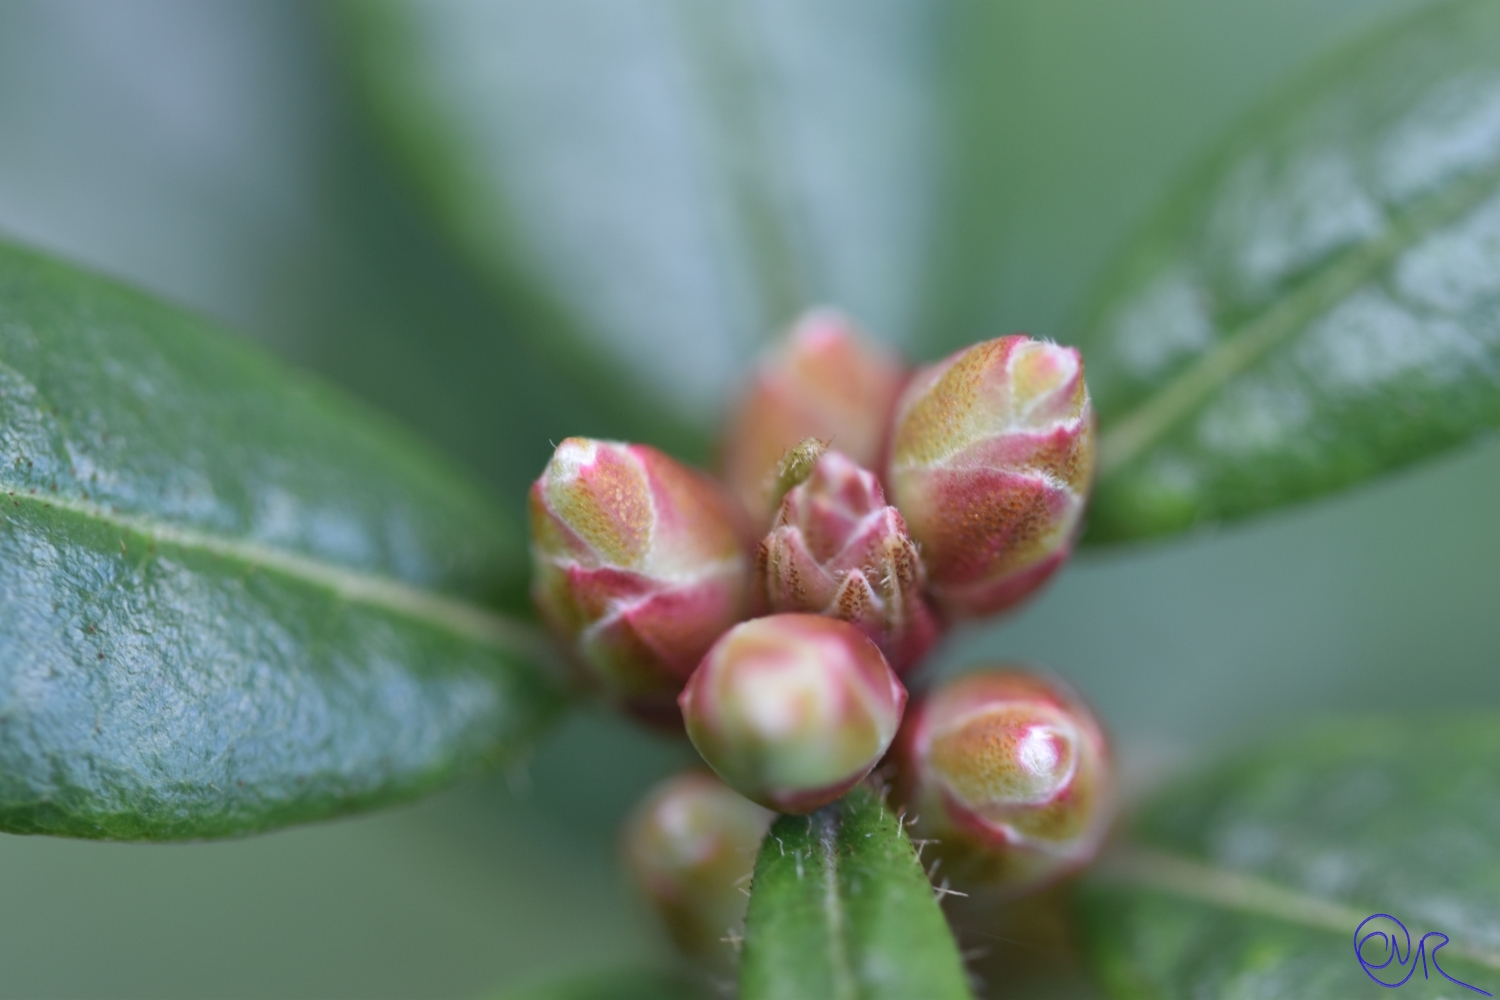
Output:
(210, 150)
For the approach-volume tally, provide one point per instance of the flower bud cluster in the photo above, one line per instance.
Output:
(861, 508)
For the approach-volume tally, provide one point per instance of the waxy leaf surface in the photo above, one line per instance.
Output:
(674, 180)
(841, 908)
(1250, 880)
(229, 597)
(1323, 302)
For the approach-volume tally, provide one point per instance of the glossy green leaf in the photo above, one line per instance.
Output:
(1250, 880)
(1323, 302)
(840, 908)
(675, 179)
(629, 984)
(229, 598)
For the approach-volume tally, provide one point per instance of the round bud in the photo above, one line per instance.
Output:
(793, 710)
(825, 381)
(992, 457)
(639, 566)
(691, 847)
(1011, 774)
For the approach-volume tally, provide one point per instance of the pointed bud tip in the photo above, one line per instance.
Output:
(572, 455)
(792, 710)
(795, 466)
(1043, 372)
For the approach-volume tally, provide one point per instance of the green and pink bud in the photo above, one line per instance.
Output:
(826, 381)
(639, 566)
(992, 458)
(691, 847)
(838, 549)
(793, 710)
(1011, 774)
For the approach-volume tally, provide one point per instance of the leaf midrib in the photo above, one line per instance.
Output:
(1126, 438)
(435, 610)
(1187, 878)
(826, 841)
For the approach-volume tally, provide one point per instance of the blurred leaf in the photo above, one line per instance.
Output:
(1323, 302)
(842, 909)
(621, 985)
(229, 598)
(1250, 880)
(672, 180)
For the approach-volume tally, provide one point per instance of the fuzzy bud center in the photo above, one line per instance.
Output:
(1001, 757)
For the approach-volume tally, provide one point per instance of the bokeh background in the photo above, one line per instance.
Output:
(213, 152)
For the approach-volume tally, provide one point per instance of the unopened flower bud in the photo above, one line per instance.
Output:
(793, 710)
(825, 382)
(691, 846)
(838, 549)
(639, 566)
(991, 461)
(1011, 774)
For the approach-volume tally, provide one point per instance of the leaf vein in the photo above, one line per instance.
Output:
(436, 610)
(1188, 878)
(1132, 434)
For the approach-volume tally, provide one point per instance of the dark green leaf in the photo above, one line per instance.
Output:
(620, 985)
(1323, 302)
(229, 598)
(1250, 881)
(842, 910)
(675, 178)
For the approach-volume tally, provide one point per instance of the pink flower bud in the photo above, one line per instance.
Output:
(639, 565)
(793, 710)
(690, 846)
(838, 550)
(991, 461)
(1011, 774)
(824, 382)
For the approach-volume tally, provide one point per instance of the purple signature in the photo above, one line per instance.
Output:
(1391, 945)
